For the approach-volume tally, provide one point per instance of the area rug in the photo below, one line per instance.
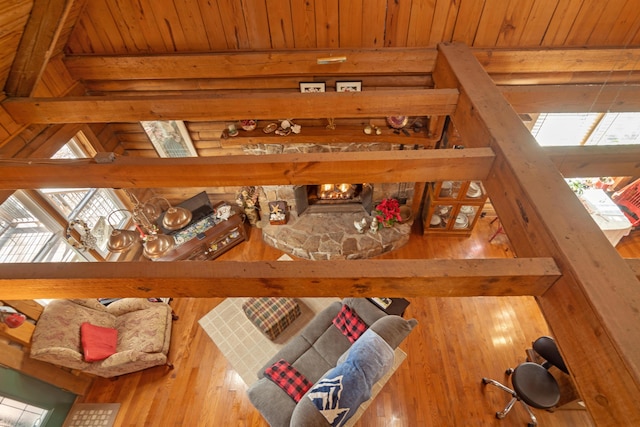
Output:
(247, 349)
(242, 344)
(92, 415)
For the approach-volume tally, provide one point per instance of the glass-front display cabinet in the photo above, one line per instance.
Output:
(452, 208)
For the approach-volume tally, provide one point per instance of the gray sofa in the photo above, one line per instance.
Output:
(315, 352)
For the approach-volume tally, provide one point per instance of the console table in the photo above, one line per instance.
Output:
(207, 238)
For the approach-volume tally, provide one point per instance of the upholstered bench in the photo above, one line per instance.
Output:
(271, 315)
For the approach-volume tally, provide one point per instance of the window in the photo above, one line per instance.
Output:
(17, 414)
(616, 129)
(30, 233)
(563, 129)
(587, 129)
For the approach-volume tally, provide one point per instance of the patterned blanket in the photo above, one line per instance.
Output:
(344, 388)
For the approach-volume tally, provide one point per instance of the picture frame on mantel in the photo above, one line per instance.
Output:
(354, 86)
(170, 138)
(311, 87)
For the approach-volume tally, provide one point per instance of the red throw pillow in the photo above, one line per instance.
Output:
(289, 379)
(98, 342)
(349, 323)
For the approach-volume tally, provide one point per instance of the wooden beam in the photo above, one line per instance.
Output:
(279, 169)
(554, 60)
(593, 309)
(573, 98)
(221, 106)
(595, 161)
(21, 335)
(430, 277)
(28, 307)
(231, 106)
(40, 36)
(360, 62)
(251, 64)
(285, 169)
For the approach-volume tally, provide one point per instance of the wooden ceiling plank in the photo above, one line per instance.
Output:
(40, 36)
(373, 18)
(279, 169)
(232, 106)
(601, 347)
(303, 18)
(327, 24)
(407, 278)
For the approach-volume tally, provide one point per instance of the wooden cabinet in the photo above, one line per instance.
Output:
(208, 238)
(451, 208)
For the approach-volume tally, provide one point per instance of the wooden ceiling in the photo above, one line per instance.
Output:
(166, 26)
(100, 61)
(176, 48)
(115, 27)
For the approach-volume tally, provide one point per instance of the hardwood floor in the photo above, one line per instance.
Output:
(457, 342)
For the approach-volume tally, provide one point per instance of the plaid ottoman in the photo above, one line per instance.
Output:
(271, 315)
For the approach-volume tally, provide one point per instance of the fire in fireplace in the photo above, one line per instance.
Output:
(336, 191)
(333, 198)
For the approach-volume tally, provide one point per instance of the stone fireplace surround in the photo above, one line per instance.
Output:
(330, 235)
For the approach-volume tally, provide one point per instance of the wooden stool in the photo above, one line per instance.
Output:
(271, 315)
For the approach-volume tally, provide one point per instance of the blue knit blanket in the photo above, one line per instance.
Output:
(343, 389)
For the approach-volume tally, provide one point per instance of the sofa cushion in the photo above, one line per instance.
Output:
(312, 364)
(331, 345)
(349, 323)
(288, 379)
(290, 352)
(367, 311)
(98, 343)
(273, 403)
(320, 322)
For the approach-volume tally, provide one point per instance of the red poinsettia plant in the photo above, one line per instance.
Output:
(387, 212)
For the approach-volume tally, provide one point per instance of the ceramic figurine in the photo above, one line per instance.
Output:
(360, 225)
(374, 225)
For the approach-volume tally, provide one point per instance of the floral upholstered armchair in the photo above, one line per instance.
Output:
(142, 339)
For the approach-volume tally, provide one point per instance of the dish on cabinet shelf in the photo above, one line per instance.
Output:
(435, 220)
(462, 221)
(467, 210)
(446, 188)
(474, 190)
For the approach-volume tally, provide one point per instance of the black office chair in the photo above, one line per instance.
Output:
(533, 385)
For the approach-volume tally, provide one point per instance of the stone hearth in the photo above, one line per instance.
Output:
(332, 236)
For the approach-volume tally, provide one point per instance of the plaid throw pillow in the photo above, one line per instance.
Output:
(349, 323)
(289, 379)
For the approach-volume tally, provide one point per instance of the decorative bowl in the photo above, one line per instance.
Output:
(248, 125)
(397, 122)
